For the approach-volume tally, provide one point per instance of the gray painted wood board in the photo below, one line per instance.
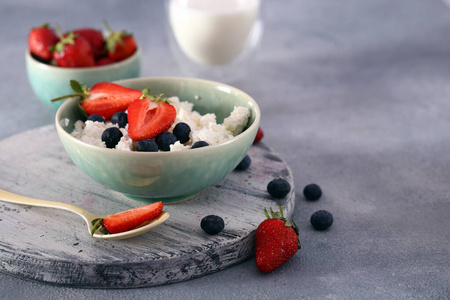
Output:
(53, 246)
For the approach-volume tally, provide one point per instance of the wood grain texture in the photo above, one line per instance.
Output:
(54, 246)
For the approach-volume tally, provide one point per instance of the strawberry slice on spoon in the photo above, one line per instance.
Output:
(103, 98)
(129, 219)
(149, 116)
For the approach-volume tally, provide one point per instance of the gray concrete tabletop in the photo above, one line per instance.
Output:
(354, 96)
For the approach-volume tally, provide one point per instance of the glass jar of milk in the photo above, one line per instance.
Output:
(214, 38)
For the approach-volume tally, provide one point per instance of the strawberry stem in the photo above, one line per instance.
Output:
(80, 89)
(67, 96)
(58, 31)
(108, 28)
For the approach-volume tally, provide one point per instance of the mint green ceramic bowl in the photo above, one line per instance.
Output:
(49, 81)
(166, 176)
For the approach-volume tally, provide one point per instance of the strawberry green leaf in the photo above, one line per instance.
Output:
(76, 86)
(266, 213)
(96, 223)
(146, 94)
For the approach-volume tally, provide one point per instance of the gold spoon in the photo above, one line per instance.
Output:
(87, 216)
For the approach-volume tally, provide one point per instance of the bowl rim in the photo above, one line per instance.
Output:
(233, 140)
(112, 66)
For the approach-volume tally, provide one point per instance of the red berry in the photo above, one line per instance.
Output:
(73, 52)
(119, 44)
(123, 48)
(149, 117)
(95, 38)
(259, 136)
(276, 241)
(41, 40)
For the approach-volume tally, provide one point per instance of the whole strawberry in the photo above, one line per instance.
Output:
(40, 42)
(94, 37)
(73, 51)
(119, 44)
(276, 241)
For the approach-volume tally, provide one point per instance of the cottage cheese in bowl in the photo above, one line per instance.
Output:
(203, 127)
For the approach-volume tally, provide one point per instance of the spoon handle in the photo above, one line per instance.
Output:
(19, 199)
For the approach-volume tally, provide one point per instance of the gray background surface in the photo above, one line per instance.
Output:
(354, 96)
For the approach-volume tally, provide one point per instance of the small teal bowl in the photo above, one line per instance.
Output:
(164, 176)
(49, 82)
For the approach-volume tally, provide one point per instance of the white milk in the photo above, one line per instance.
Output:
(212, 32)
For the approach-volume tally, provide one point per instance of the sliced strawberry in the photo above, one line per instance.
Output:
(148, 117)
(119, 44)
(103, 98)
(40, 42)
(132, 218)
(94, 37)
(107, 98)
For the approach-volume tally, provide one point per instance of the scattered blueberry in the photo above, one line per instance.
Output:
(199, 144)
(111, 136)
(96, 118)
(312, 192)
(278, 188)
(147, 145)
(321, 219)
(244, 164)
(212, 224)
(164, 140)
(182, 131)
(120, 118)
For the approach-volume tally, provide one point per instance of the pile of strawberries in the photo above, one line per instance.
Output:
(83, 47)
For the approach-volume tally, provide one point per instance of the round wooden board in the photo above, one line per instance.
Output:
(54, 246)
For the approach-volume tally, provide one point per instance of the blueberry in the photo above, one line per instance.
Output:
(96, 118)
(164, 140)
(321, 219)
(278, 188)
(111, 136)
(212, 224)
(181, 131)
(312, 192)
(244, 164)
(120, 118)
(199, 144)
(147, 145)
